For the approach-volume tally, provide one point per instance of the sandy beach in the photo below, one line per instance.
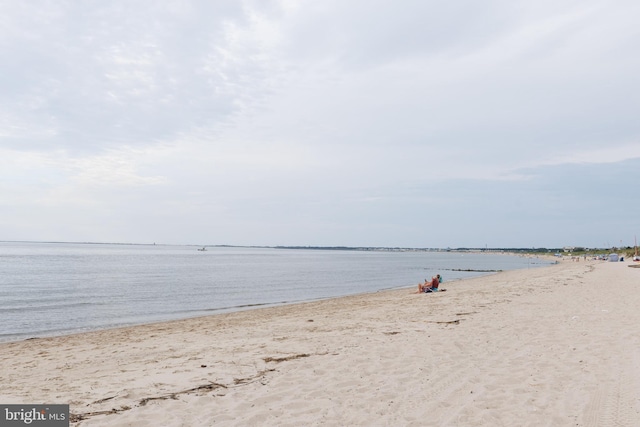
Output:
(551, 346)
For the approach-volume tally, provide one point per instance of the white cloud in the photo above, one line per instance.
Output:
(246, 113)
(612, 152)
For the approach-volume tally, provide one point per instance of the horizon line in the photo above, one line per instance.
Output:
(320, 247)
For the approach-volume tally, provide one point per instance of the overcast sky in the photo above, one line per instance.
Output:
(360, 123)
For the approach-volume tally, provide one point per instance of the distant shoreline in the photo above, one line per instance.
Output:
(512, 250)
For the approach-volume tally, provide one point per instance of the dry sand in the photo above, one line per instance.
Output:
(552, 346)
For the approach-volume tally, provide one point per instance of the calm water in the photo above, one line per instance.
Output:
(54, 289)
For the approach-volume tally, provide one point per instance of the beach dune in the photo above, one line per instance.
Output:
(550, 346)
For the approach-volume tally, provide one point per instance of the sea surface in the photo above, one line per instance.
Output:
(49, 289)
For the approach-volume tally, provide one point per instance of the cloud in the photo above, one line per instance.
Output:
(117, 74)
(321, 123)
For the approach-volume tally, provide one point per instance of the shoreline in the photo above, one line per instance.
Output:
(154, 318)
(519, 347)
(86, 295)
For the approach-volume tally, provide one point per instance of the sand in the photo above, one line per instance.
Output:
(551, 346)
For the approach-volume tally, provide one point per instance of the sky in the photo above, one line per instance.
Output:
(425, 123)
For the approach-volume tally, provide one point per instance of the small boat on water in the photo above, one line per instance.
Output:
(202, 249)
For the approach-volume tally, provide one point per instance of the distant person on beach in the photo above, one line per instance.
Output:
(431, 286)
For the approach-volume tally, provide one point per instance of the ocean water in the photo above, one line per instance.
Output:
(51, 289)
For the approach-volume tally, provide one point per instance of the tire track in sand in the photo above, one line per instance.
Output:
(616, 402)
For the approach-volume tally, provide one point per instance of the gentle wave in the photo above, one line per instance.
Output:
(30, 307)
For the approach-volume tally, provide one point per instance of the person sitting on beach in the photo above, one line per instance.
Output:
(431, 286)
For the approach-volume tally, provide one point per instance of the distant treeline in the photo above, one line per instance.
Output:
(367, 248)
(372, 248)
(341, 248)
(575, 250)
